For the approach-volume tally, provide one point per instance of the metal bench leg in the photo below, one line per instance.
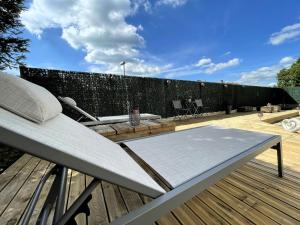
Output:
(278, 148)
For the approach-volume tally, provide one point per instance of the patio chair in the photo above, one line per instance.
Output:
(187, 161)
(179, 110)
(199, 107)
(106, 119)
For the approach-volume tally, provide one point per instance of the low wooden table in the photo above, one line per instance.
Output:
(123, 131)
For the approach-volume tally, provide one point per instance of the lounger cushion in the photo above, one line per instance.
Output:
(26, 99)
(180, 156)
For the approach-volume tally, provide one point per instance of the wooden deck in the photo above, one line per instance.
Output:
(253, 194)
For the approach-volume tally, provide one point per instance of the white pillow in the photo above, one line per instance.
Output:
(26, 99)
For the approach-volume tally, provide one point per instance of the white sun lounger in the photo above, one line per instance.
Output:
(104, 119)
(188, 161)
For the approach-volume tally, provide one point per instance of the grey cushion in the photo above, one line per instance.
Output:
(183, 155)
(26, 99)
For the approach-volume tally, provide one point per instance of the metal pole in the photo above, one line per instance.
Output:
(124, 68)
(123, 63)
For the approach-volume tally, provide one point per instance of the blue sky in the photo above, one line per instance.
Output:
(239, 41)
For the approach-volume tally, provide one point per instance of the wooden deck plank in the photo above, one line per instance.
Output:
(114, 202)
(77, 186)
(186, 216)
(268, 190)
(281, 185)
(97, 206)
(13, 187)
(205, 213)
(167, 219)
(256, 203)
(14, 210)
(224, 210)
(272, 170)
(12, 171)
(244, 209)
(274, 202)
(132, 199)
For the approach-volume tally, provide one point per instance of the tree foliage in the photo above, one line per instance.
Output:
(12, 46)
(289, 77)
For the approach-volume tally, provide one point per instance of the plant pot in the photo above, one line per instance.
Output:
(228, 109)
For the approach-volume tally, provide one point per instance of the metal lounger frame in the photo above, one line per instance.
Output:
(149, 212)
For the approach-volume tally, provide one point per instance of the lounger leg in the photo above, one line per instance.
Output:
(56, 194)
(278, 148)
(60, 203)
(49, 203)
(80, 204)
(35, 197)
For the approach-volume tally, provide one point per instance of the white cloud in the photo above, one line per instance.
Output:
(203, 66)
(290, 32)
(204, 62)
(287, 60)
(226, 53)
(173, 3)
(139, 69)
(265, 75)
(97, 27)
(211, 67)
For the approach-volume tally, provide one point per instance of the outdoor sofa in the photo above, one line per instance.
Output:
(188, 161)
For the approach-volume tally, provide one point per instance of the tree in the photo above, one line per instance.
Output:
(289, 77)
(12, 46)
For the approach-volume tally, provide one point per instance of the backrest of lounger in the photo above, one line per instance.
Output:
(66, 142)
